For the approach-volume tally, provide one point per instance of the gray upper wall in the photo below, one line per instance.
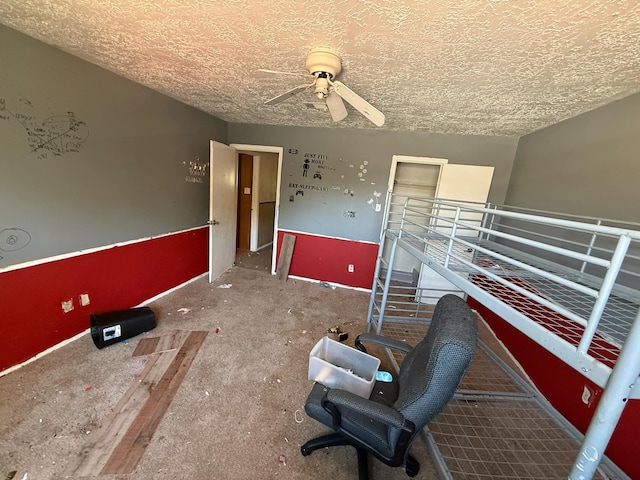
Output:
(587, 165)
(88, 158)
(335, 194)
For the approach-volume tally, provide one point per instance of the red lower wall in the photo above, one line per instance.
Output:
(564, 387)
(327, 259)
(32, 318)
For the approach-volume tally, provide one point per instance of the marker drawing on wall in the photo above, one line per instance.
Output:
(4, 114)
(56, 134)
(13, 239)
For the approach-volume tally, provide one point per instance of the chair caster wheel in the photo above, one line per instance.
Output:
(411, 473)
(412, 467)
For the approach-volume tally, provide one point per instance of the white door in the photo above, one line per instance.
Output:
(462, 183)
(223, 197)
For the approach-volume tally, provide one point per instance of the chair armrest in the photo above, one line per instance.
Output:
(339, 402)
(382, 341)
(343, 400)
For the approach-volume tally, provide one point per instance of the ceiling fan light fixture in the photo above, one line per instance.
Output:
(322, 87)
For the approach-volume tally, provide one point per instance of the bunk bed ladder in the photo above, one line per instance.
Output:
(381, 283)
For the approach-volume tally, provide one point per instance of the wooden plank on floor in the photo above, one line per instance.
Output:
(172, 340)
(169, 341)
(104, 441)
(146, 346)
(286, 253)
(131, 447)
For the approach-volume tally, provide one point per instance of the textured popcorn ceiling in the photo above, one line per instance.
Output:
(495, 67)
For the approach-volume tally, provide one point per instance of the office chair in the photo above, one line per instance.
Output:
(386, 423)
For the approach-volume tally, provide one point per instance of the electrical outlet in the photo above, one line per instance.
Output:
(378, 207)
(350, 268)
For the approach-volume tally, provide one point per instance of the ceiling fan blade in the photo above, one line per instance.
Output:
(278, 72)
(322, 106)
(359, 103)
(336, 106)
(285, 95)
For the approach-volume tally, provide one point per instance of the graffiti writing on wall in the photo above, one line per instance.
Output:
(13, 239)
(55, 134)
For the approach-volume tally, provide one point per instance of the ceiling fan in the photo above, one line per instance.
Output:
(324, 65)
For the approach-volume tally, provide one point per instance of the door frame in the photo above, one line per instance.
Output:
(408, 159)
(279, 151)
(395, 159)
(244, 220)
(255, 203)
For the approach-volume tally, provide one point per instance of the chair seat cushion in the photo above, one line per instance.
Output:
(385, 393)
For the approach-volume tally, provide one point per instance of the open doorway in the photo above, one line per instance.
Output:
(409, 177)
(245, 203)
(258, 200)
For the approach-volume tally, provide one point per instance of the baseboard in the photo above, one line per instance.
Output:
(45, 352)
(171, 290)
(262, 247)
(330, 284)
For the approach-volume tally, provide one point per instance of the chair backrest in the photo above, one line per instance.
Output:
(432, 371)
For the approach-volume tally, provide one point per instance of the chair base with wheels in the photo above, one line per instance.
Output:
(412, 467)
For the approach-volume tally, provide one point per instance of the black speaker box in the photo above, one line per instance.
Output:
(112, 327)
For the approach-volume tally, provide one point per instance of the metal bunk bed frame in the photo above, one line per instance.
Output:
(583, 271)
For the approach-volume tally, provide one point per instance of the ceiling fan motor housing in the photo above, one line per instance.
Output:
(324, 60)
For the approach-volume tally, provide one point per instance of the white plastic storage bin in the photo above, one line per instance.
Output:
(338, 366)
